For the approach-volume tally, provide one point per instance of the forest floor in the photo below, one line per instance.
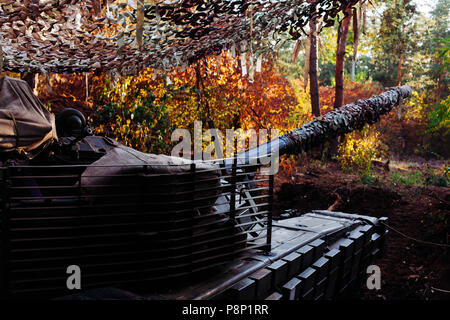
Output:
(410, 269)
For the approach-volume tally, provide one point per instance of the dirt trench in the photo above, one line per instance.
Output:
(410, 270)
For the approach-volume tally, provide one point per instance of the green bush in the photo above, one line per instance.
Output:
(439, 118)
(430, 177)
(409, 179)
(367, 178)
(417, 178)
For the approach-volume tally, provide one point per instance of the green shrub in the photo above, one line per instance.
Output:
(417, 178)
(367, 178)
(430, 177)
(409, 179)
(439, 118)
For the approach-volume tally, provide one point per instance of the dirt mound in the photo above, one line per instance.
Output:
(304, 197)
(370, 200)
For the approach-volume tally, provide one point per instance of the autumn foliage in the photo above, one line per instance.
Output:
(141, 111)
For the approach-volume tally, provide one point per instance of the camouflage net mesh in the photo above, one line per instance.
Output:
(127, 36)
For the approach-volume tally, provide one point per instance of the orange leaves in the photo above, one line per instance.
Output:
(268, 100)
(225, 100)
(353, 92)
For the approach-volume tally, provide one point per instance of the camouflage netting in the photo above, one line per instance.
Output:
(344, 120)
(126, 36)
(335, 123)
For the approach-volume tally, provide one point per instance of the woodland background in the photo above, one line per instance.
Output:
(378, 45)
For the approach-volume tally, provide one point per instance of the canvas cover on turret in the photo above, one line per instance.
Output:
(26, 126)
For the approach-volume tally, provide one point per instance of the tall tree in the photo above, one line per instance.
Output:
(313, 78)
(439, 34)
(394, 44)
(340, 58)
(339, 70)
(356, 26)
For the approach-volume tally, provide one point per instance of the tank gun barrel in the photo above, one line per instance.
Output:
(340, 121)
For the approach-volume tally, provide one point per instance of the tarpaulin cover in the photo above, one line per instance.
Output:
(25, 125)
(172, 178)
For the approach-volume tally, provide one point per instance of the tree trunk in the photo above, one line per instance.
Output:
(440, 84)
(339, 71)
(340, 59)
(400, 70)
(355, 41)
(1, 60)
(402, 58)
(202, 101)
(353, 70)
(296, 51)
(313, 79)
(307, 56)
(362, 16)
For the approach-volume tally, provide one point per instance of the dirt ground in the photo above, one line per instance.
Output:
(410, 270)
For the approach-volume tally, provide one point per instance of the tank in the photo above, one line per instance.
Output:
(144, 226)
